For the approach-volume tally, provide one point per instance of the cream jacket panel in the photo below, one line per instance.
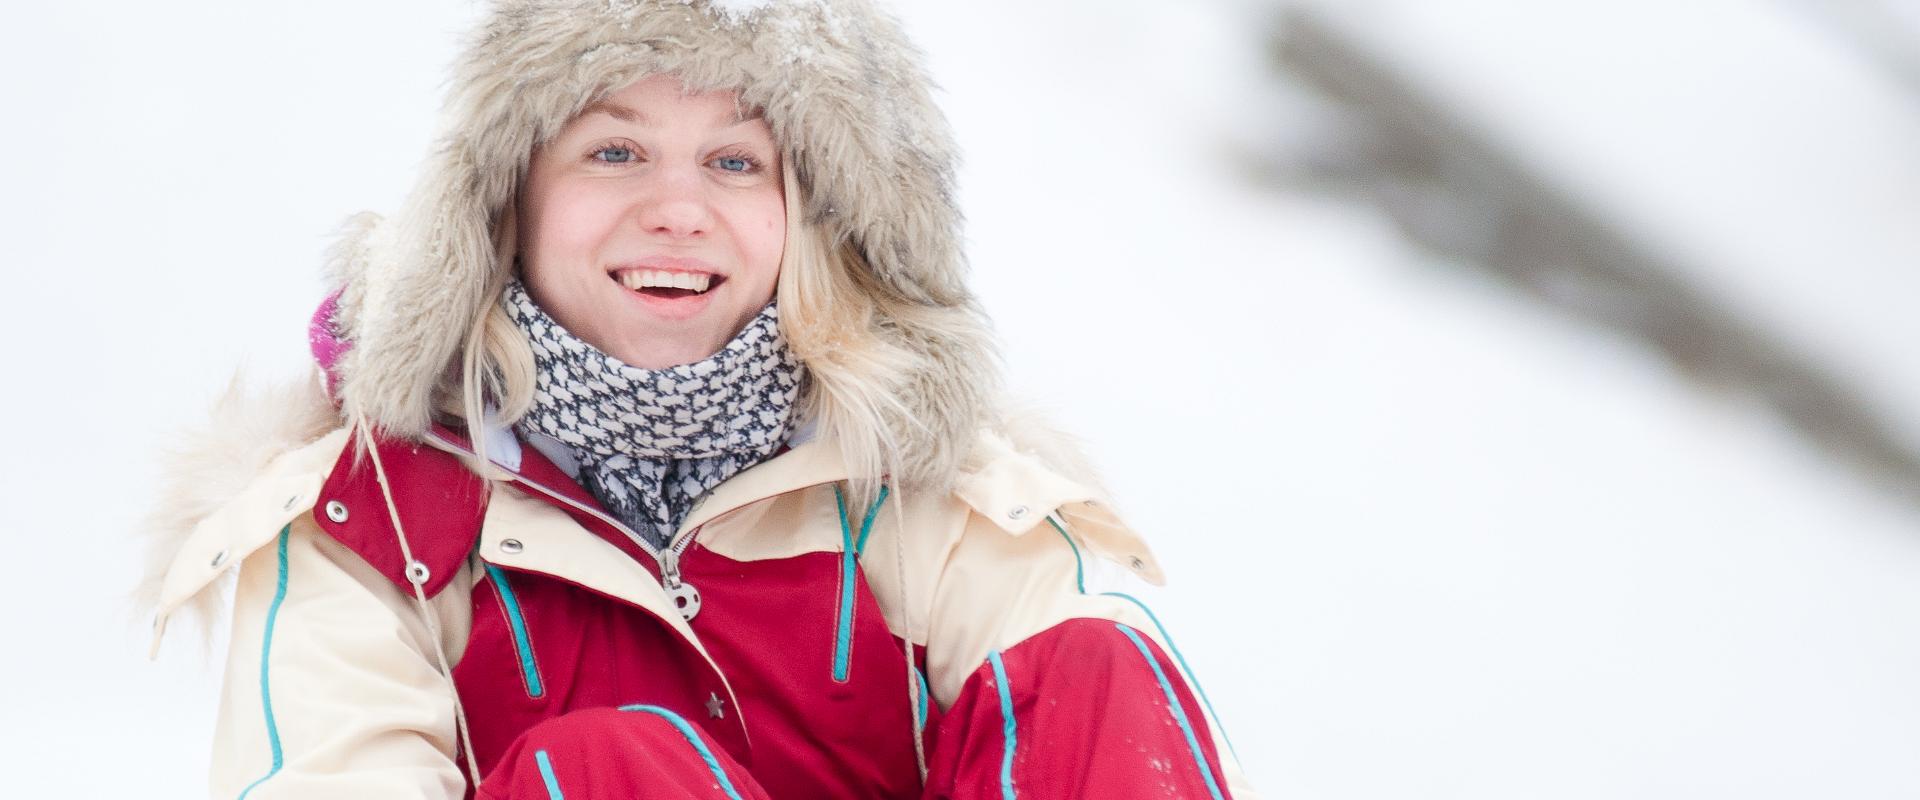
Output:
(899, 570)
(332, 687)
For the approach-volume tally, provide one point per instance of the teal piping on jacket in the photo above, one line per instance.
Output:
(522, 643)
(850, 550)
(924, 691)
(1179, 714)
(266, 647)
(680, 724)
(546, 775)
(1080, 581)
(1006, 726)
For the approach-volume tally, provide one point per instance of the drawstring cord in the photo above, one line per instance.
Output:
(914, 700)
(427, 613)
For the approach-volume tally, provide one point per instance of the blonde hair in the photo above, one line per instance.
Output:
(830, 313)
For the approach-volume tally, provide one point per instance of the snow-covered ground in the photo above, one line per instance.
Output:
(1426, 539)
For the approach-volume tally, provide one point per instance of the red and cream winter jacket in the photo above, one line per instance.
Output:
(1021, 683)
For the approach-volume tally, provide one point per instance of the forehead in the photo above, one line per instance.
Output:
(658, 99)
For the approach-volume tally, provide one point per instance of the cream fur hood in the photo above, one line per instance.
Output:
(847, 98)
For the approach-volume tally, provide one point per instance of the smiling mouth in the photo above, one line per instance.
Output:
(667, 284)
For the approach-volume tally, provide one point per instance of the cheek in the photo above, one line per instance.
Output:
(566, 227)
(765, 234)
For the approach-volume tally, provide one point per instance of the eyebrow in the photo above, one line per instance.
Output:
(617, 111)
(626, 113)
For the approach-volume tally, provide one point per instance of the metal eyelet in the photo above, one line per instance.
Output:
(1017, 512)
(511, 546)
(337, 511)
(417, 573)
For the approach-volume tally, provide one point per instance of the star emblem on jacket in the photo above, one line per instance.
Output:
(716, 707)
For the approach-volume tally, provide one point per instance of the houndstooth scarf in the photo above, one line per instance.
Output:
(651, 442)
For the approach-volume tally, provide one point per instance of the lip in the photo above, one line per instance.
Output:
(670, 308)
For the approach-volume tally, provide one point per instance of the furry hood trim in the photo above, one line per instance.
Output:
(209, 465)
(848, 100)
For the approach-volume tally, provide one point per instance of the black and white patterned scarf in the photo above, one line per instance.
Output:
(651, 442)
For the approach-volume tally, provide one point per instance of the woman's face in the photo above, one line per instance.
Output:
(652, 225)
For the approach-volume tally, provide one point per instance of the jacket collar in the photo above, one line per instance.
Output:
(438, 502)
(810, 460)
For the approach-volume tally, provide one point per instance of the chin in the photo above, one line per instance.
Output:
(656, 355)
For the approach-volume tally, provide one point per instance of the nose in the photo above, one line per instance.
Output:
(674, 204)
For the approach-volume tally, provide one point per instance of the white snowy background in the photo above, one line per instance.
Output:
(1428, 537)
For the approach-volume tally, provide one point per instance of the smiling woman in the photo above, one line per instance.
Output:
(660, 455)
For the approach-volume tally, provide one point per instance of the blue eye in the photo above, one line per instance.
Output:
(616, 154)
(735, 163)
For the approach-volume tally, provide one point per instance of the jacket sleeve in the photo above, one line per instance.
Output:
(1051, 690)
(332, 686)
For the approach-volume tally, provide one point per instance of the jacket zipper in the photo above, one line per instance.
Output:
(669, 562)
(686, 598)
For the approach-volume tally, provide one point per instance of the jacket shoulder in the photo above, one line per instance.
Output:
(260, 457)
(1024, 475)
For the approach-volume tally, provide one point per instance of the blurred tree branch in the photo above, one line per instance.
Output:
(1378, 140)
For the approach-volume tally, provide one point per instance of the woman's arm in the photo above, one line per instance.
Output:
(1072, 693)
(1052, 687)
(332, 689)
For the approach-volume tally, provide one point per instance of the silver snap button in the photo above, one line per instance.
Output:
(1137, 564)
(686, 600)
(511, 546)
(417, 573)
(1017, 512)
(336, 511)
(219, 558)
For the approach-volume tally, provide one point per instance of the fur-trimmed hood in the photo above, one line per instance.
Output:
(847, 99)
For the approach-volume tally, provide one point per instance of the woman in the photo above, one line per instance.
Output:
(657, 457)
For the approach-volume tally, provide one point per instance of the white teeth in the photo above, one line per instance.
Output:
(650, 278)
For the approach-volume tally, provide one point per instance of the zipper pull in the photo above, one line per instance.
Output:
(686, 599)
(669, 568)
